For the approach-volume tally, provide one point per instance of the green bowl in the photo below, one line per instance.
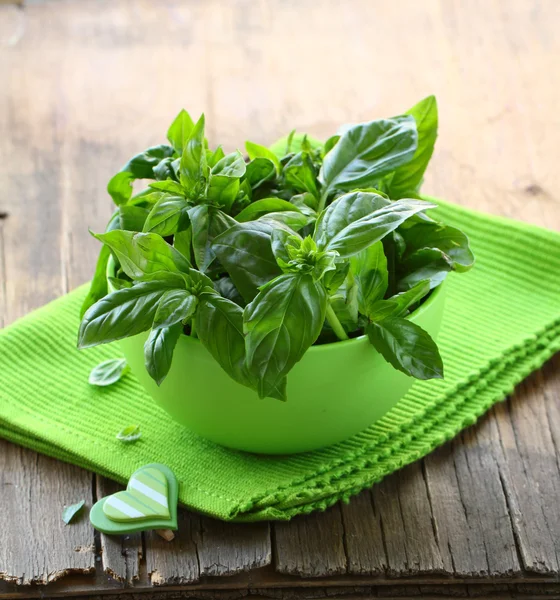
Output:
(335, 391)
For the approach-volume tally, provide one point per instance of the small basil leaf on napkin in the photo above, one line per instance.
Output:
(108, 372)
(72, 511)
(129, 434)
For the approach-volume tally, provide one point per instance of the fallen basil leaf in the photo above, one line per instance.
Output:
(108, 372)
(129, 434)
(72, 511)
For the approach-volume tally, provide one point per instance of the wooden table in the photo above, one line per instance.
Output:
(86, 84)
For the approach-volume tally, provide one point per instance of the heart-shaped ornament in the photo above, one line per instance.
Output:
(149, 502)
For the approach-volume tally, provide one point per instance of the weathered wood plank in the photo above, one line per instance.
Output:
(120, 554)
(484, 499)
(363, 534)
(406, 519)
(231, 548)
(457, 530)
(176, 562)
(528, 459)
(36, 546)
(311, 546)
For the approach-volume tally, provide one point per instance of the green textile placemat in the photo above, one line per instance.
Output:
(501, 321)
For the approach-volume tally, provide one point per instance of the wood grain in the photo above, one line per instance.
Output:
(87, 84)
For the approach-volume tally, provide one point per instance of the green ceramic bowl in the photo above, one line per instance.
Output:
(335, 391)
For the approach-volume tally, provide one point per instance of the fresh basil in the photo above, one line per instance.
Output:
(158, 350)
(245, 251)
(369, 268)
(366, 152)
(337, 232)
(193, 168)
(122, 314)
(169, 215)
(301, 243)
(257, 151)
(108, 372)
(407, 178)
(175, 306)
(143, 254)
(129, 434)
(180, 130)
(407, 347)
(219, 325)
(284, 319)
(72, 511)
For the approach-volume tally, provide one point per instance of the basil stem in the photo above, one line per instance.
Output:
(333, 321)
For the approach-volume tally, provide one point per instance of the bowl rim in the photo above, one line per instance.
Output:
(431, 299)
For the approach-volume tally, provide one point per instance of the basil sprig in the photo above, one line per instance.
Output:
(302, 243)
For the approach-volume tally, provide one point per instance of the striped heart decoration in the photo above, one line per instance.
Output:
(145, 498)
(149, 502)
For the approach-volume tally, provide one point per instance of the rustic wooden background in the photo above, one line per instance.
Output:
(86, 84)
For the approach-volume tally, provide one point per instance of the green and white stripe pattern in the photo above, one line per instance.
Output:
(146, 497)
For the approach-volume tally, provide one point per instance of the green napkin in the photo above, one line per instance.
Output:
(501, 321)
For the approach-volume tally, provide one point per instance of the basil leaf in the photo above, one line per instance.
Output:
(212, 158)
(119, 284)
(158, 351)
(219, 325)
(358, 235)
(72, 511)
(345, 210)
(451, 241)
(223, 191)
(407, 347)
(231, 165)
(180, 130)
(330, 144)
(405, 300)
(143, 254)
(98, 285)
(284, 319)
(335, 278)
(299, 173)
(307, 203)
(407, 178)
(259, 170)
(207, 223)
(369, 268)
(168, 216)
(245, 252)
(122, 314)
(429, 264)
(108, 372)
(293, 219)
(120, 187)
(224, 182)
(258, 151)
(293, 143)
(262, 207)
(366, 152)
(226, 288)
(344, 302)
(129, 434)
(193, 169)
(182, 242)
(169, 186)
(397, 305)
(131, 217)
(175, 306)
